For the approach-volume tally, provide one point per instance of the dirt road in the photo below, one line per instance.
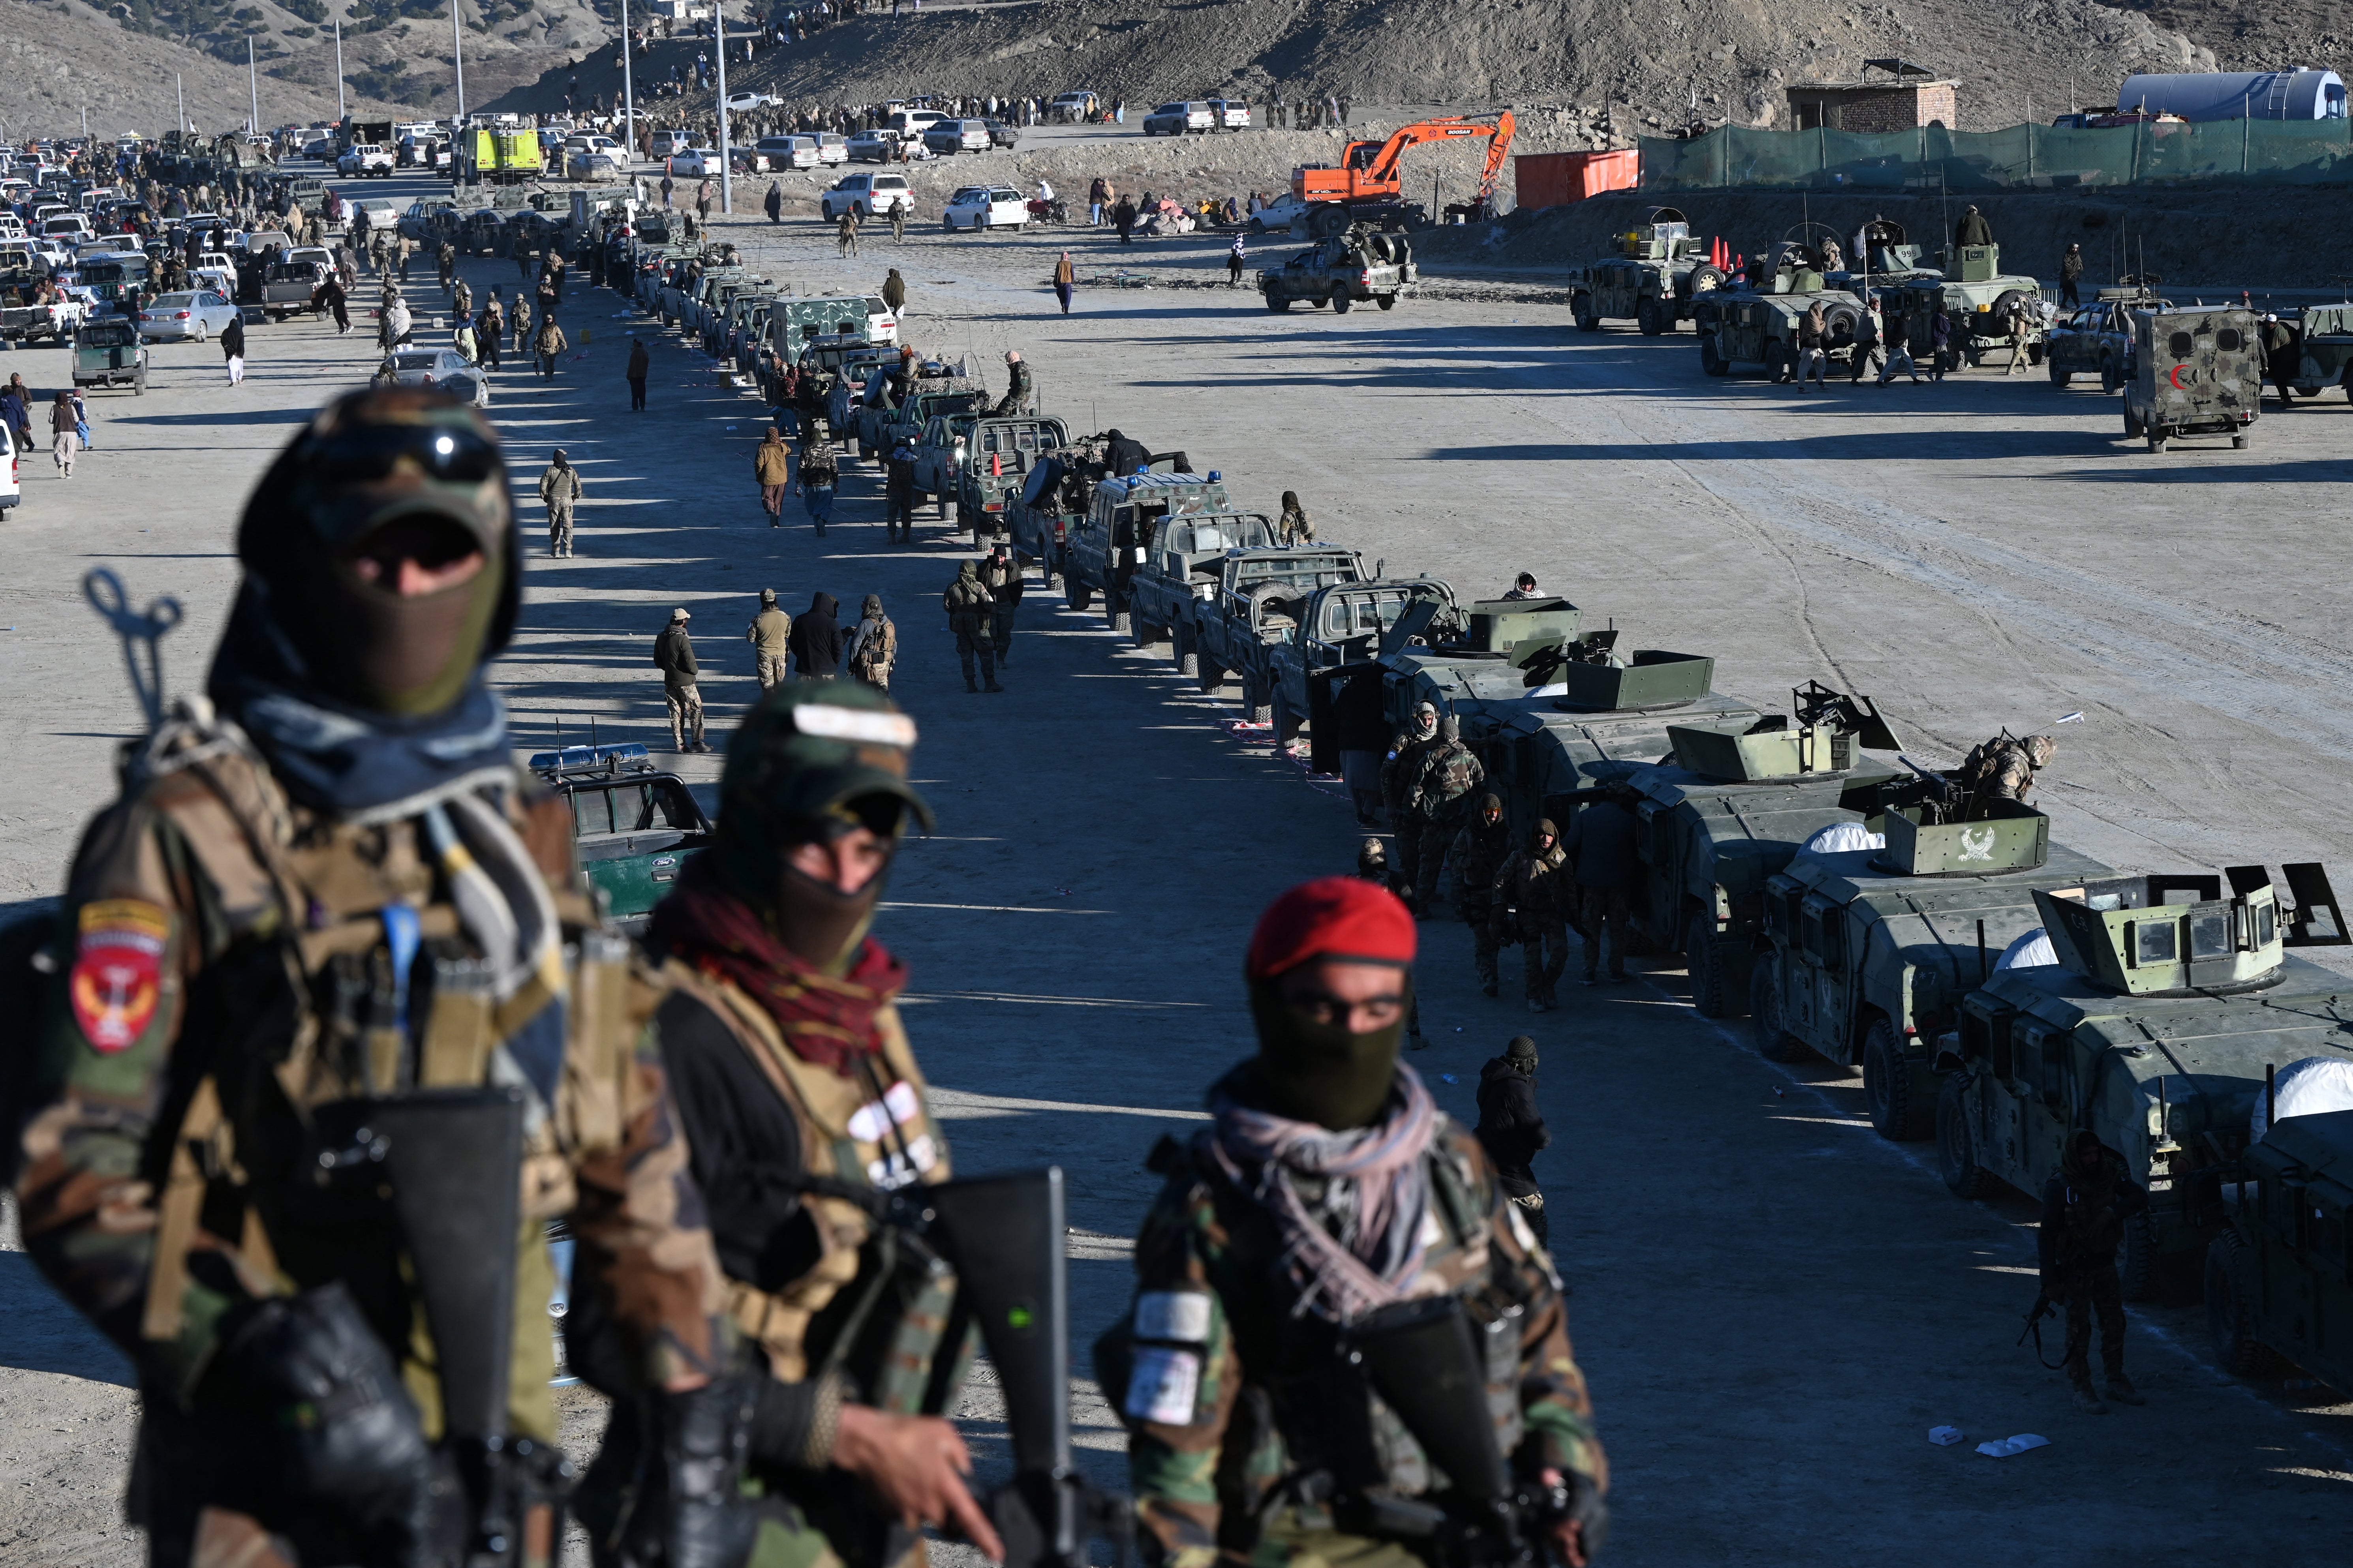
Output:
(1774, 1305)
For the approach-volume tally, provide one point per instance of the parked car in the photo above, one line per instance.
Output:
(693, 162)
(447, 369)
(1176, 119)
(1279, 216)
(950, 137)
(595, 168)
(668, 142)
(740, 101)
(1229, 114)
(1002, 134)
(1073, 106)
(832, 148)
(366, 160)
(985, 207)
(912, 121)
(867, 196)
(789, 151)
(191, 316)
(107, 353)
(634, 826)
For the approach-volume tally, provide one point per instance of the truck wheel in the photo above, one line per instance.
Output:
(2058, 377)
(2231, 1309)
(1286, 723)
(1386, 301)
(1588, 320)
(1711, 362)
(2156, 440)
(1957, 1158)
(1647, 320)
(200, 331)
(1774, 1042)
(2132, 426)
(1211, 675)
(1707, 975)
(2137, 1274)
(1896, 1109)
(1258, 706)
(1780, 363)
(2239, 443)
(1115, 612)
(1181, 648)
(1076, 592)
(1145, 635)
(1340, 304)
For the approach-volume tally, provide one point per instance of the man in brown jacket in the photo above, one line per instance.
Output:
(769, 634)
(547, 344)
(772, 466)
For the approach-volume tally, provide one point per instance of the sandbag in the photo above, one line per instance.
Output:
(2313, 1087)
(2032, 950)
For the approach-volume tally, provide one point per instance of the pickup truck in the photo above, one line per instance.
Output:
(55, 321)
(633, 826)
(108, 353)
(291, 287)
(931, 399)
(997, 460)
(366, 159)
(1182, 567)
(1257, 605)
(1053, 501)
(1345, 623)
(1362, 264)
(1107, 545)
(848, 369)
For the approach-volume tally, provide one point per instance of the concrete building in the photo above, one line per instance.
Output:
(1906, 97)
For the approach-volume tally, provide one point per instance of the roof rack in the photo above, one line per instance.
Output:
(576, 760)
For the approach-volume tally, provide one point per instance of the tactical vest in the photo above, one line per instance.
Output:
(872, 1309)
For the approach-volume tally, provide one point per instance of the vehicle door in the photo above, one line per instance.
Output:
(1659, 892)
(1815, 974)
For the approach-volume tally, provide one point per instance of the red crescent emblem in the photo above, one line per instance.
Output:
(2174, 375)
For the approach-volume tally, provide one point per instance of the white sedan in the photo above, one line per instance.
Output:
(985, 207)
(696, 162)
(446, 369)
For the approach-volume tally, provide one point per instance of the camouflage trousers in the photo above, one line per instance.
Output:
(685, 715)
(559, 530)
(1485, 950)
(1543, 953)
(2093, 1293)
(1599, 908)
(1436, 838)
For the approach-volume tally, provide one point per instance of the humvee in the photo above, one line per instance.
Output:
(2277, 1281)
(1978, 298)
(633, 825)
(1658, 270)
(2195, 372)
(2170, 999)
(1755, 320)
(2324, 341)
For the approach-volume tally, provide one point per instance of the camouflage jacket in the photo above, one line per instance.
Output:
(1530, 882)
(1445, 778)
(1227, 1394)
(1479, 854)
(1402, 765)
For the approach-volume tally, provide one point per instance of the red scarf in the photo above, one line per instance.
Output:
(827, 1022)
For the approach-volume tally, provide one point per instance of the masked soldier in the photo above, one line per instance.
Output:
(1479, 853)
(1399, 771)
(2084, 1206)
(798, 1092)
(1512, 1130)
(326, 903)
(1327, 1190)
(1441, 791)
(2004, 769)
(969, 611)
(1001, 575)
(1530, 906)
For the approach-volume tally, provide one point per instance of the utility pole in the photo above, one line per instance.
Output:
(181, 93)
(726, 164)
(253, 82)
(85, 122)
(339, 68)
(629, 96)
(458, 57)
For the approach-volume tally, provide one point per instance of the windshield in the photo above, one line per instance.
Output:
(416, 361)
(105, 335)
(175, 301)
(1354, 615)
(1309, 571)
(1213, 533)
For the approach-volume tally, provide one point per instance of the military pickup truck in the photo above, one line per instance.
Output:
(634, 826)
(1658, 270)
(1053, 502)
(2098, 339)
(2324, 348)
(934, 391)
(1106, 546)
(2197, 371)
(2164, 1004)
(106, 351)
(55, 319)
(2277, 1288)
(1343, 270)
(994, 465)
(1260, 597)
(1182, 566)
(291, 287)
(1414, 629)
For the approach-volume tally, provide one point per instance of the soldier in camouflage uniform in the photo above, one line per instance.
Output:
(1327, 1186)
(1530, 906)
(2004, 769)
(780, 1033)
(970, 612)
(1436, 801)
(1478, 852)
(1398, 773)
(2084, 1206)
(326, 887)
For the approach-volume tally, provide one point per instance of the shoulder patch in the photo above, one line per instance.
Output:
(118, 970)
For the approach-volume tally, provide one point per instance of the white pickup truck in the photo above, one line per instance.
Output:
(55, 319)
(370, 160)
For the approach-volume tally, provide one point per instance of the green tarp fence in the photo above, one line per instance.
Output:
(2022, 157)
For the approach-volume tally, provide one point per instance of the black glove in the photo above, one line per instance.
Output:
(1591, 1511)
(706, 1437)
(347, 1433)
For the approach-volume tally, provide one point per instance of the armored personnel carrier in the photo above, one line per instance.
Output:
(2195, 372)
(2169, 1000)
(1868, 951)
(1979, 297)
(1756, 321)
(1658, 270)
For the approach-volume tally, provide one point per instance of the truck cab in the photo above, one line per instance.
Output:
(633, 825)
(1265, 598)
(998, 456)
(1117, 536)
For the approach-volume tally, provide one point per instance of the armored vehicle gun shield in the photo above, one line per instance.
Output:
(2165, 1073)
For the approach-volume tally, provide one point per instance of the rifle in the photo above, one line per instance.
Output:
(2034, 1315)
(1420, 1359)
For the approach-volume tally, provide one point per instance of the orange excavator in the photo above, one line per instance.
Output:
(1368, 186)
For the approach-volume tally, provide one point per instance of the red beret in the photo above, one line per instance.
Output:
(1332, 917)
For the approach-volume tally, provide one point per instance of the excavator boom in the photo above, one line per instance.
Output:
(1370, 173)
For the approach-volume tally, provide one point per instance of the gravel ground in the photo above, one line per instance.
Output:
(1773, 1304)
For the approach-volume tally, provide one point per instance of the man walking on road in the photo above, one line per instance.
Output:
(1479, 853)
(770, 634)
(1065, 279)
(1531, 905)
(1600, 845)
(1513, 1131)
(816, 641)
(899, 493)
(873, 645)
(549, 344)
(894, 292)
(674, 657)
(772, 469)
(2071, 277)
(845, 233)
(774, 202)
(559, 489)
(969, 612)
(1435, 802)
(1001, 575)
(232, 343)
(1235, 256)
(819, 475)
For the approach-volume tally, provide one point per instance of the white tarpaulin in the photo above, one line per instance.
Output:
(2309, 1087)
(2032, 950)
(1841, 837)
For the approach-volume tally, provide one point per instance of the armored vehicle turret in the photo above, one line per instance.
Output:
(1978, 298)
(1659, 272)
(1756, 320)
(2164, 1001)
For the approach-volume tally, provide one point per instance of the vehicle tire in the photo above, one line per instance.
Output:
(2156, 440)
(1780, 363)
(1077, 594)
(138, 384)
(1143, 633)
(1581, 307)
(1378, 243)
(2132, 426)
(1258, 706)
(2059, 378)
(2138, 1276)
(1286, 723)
(948, 224)
(1209, 673)
(200, 331)
(1774, 1042)
(2231, 1309)
(1182, 650)
(1386, 301)
(1325, 219)
(1710, 361)
(1706, 961)
(1957, 1156)
(1340, 304)
(1646, 318)
(2238, 443)
(1278, 306)
(1897, 1110)
(1704, 279)
(1115, 613)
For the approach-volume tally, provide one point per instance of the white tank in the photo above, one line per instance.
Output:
(2303, 94)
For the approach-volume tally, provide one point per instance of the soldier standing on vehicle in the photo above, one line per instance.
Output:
(1601, 845)
(873, 645)
(1017, 390)
(559, 492)
(2084, 1206)
(1973, 228)
(1438, 798)
(2004, 769)
(779, 1026)
(770, 634)
(1327, 1187)
(1001, 575)
(1480, 851)
(674, 657)
(1294, 526)
(1524, 587)
(2071, 275)
(272, 1310)
(899, 492)
(970, 613)
(772, 470)
(1512, 1130)
(1530, 906)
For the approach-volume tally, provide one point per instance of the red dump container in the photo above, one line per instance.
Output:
(1555, 179)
